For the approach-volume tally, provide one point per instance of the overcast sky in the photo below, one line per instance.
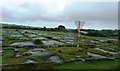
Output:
(100, 14)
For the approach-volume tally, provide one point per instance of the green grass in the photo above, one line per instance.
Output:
(0, 59)
(112, 48)
(64, 52)
(89, 65)
(8, 59)
(28, 67)
(22, 49)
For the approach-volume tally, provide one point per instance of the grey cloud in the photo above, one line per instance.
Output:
(91, 11)
(76, 10)
(27, 12)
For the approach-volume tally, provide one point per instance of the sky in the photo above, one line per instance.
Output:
(97, 14)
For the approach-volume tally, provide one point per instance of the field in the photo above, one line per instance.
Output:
(59, 49)
(89, 65)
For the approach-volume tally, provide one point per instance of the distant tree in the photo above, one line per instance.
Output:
(44, 28)
(52, 29)
(96, 33)
(61, 27)
(56, 29)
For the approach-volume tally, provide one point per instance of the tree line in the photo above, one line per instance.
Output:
(61, 28)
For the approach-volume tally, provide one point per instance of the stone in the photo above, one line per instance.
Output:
(38, 52)
(29, 62)
(22, 44)
(51, 42)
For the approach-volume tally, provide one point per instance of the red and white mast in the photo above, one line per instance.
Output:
(79, 25)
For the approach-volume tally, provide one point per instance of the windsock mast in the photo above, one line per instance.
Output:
(79, 25)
